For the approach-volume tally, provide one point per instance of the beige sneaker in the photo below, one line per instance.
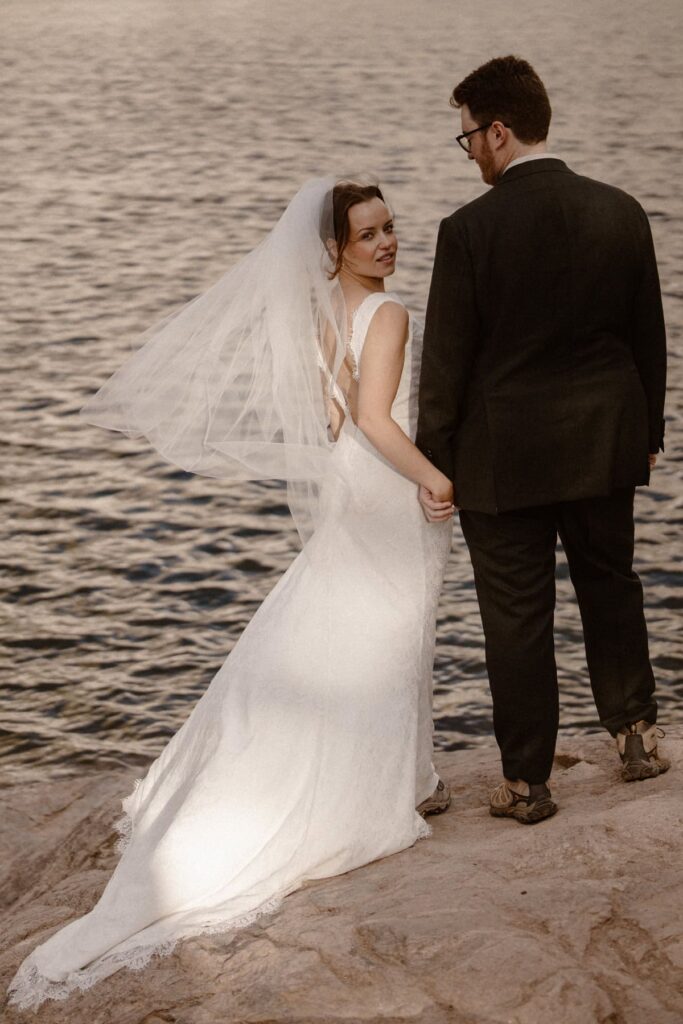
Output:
(637, 746)
(527, 808)
(438, 802)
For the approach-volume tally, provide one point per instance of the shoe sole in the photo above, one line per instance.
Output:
(539, 812)
(638, 771)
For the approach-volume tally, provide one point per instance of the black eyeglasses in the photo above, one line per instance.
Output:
(464, 140)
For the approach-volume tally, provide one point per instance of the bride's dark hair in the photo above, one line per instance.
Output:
(346, 194)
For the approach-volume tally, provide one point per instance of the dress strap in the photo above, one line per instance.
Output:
(361, 322)
(332, 389)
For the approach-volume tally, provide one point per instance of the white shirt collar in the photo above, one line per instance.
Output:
(532, 156)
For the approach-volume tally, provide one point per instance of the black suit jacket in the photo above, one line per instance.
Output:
(544, 362)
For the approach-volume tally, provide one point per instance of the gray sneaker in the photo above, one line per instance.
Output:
(637, 746)
(438, 802)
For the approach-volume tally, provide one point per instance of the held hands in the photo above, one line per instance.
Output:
(652, 459)
(437, 503)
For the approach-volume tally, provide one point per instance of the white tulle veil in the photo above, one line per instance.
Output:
(236, 384)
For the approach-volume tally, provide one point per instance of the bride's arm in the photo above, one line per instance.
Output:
(381, 366)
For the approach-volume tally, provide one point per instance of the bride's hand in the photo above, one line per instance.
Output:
(437, 504)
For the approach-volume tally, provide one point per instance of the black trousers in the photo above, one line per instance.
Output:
(513, 555)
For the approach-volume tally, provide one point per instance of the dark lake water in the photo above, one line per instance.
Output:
(148, 144)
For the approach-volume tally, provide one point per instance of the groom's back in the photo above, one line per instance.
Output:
(557, 402)
(562, 254)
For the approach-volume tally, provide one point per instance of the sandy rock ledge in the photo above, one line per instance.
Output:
(577, 920)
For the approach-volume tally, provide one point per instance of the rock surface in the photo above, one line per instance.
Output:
(577, 920)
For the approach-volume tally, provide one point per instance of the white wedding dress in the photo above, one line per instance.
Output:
(311, 748)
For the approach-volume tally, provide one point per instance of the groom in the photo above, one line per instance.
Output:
(541, 397)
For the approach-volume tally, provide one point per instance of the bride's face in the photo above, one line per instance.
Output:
(372, 245)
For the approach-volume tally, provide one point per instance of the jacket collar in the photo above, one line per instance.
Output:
(533, 167)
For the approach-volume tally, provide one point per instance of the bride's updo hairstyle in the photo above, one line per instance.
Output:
(346, 194)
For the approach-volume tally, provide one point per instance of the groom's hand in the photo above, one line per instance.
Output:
(435, 509)
(652, 459)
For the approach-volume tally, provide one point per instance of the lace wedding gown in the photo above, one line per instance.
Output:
(310, 749)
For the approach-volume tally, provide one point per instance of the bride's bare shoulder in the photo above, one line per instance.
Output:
(389, 322)
(390, 314)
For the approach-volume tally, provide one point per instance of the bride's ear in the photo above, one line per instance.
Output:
(332, 250)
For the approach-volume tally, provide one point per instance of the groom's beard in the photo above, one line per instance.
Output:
(487, 163)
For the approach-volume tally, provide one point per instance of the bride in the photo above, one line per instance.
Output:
(311, 749)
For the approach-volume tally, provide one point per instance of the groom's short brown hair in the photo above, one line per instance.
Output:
(507, 89)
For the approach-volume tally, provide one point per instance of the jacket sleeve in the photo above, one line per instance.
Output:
(450, 344)
(648, 338)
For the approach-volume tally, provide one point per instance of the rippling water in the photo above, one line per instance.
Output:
(148, 144)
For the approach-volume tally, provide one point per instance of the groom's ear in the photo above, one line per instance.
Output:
(501, 133)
